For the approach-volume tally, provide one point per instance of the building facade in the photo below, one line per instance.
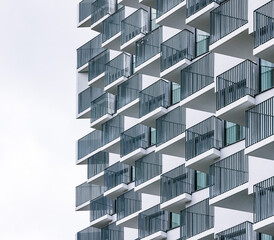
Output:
(180, 98)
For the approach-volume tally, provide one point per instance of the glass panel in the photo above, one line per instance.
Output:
(164, 6)
(202, 42)
(101, 8)
(233, 133)
(101, 206)
(241, 232)
(201, 180)
(97, 65)
(97, 163)
(112, 129)
(267, 75)
(194, 6)
(89, 234)
(112, 232)
(175, 220)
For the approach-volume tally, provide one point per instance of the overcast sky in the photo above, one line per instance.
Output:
(38, 129)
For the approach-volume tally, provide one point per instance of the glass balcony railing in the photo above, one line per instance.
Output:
(260, 122)
(117, 174)
(101, 206)
(112, 25)
(263, 200)
(179, 47)
(152, 220)
(86, 192)
(112, 232)
(156, 95)
(101, 8)
(105, 104)
(89, 233)
(85, 9)
(233, 133)
(129, 90)
(163, 6)
(201, 42)
(197, 219)
(175, 93)
(128, 203)
(228, 173)
(97, 163)
(148, 46)
(97, 65)
(121, 66)
(264, 24)
(266, 75)
(89, 50)
(197, 76)
(243, 231)
(226, 18)
(203, 137)
(89, 143)
(112, 129)
(176, 182)
(133, 25)
(136, 137)
(148, 167)
(170, 125)
(236, 83)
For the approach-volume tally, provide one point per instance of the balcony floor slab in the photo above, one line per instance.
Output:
(113, 43)
(150, 67)
(116, 191)
(98, 179)
(97, 26)
(97, 124)
(176, 204)
(131, 109)
(265, 226)
(112, 87)
(85, 22)
(97, 81)
(135, 155)
(265, 51)
(151, 186)
(130, 221)
(149, 3)
(129, 46)
(156, 236)
(150, 118)
(102, 221)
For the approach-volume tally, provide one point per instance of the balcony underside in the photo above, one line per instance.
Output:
(113, 146)
(85, 22)
(149, 3)
(150, 67)
(131, 109)
(98, 179)
(265, 226)
(116, 191)
(135, 155)
(151, 186)
(112, 87)
(130, 3)
(176, 204)
(102, 221)
(156, 236)
(262, 149)
(97, 124)
(265, 51)
(83, 207)
(204, 99)
(84, 159)
(83, 69)
(97, 26)
(150, 118)
(130, 45)
(113, 43)
(84, 114)
(130, 221)
(206, 235)
(97, 81)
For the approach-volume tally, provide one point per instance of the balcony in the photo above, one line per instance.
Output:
(263, 200)
(171, 13)
(130, 3)
(197, 221)
(88, 146)
(117, 71)
(260, 130)
(128, 208)
(197, 85)
(135, 143)
(228, 186)
(97, 68)
(154, 101)
(177, 186)
(101, 211)
(170, 133)
(134, 27)
(153, 223)
(128, 96)
(264, 32)
(229, 30)
(117, 177)
(85, 193)
(235, 92)
(96, 166)
(177, 53)
(266, 75)
(88, 51)
(100, 10)
(112, 232)
(84, 19)
(149, 3)
(148, 53)
(89, 233)
(102, 109)
(203, 144)
(147, 174)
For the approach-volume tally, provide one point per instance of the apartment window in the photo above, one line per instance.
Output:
(175, 221)
(233, 133)
(266, 75)
(153, 24)
(201, 180)
(152, 136)
(201, 42)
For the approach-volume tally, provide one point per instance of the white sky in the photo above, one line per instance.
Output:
(37, 125)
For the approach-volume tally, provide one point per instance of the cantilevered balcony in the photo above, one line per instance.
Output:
(117, 71)
(154, 101)
(128, 96)
(89, 233)
(128, 207)
(100, 10)
(260, 130)
(197, 85)
(235, 92)
(112, 232)
(264, 206)
(134, 27)
(264, 32)
(197, 221)
(177, 186)
(135, 143)
(102, 109)
(96, 166)
(171, 13)
(101, 211)
(203, 144)
(85, 193)
(88, 51)
(177, 53)
(117, 177)
(147, 174)
(85, 13)
(229, 30)
(170, 133)
(148, 53)
(97, 68)
(88, 146)
(153, 223)
(228, 186)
